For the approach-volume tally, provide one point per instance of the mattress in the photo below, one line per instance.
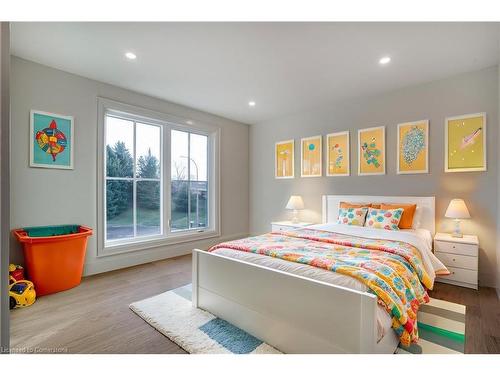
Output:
(419, 238)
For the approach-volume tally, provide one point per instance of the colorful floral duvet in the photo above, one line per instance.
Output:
(392, 270)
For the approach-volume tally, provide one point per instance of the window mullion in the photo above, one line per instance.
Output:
(134, 183)
(189, 180)
(167, 179)
(162, 209)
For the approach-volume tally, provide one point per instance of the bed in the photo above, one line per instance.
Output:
(298, 308)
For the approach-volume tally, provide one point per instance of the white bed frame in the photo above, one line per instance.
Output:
(296, 314)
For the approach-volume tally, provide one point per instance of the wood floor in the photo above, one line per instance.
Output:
(482, 317)
(95, 318)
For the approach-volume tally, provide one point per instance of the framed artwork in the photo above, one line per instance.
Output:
(465, 143)
(51, 140)
(310, 157)
(337, 157)
(284, 160)
(413, 147)
(371, 151)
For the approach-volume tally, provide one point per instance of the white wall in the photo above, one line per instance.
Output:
(467, 93)
(44, 197)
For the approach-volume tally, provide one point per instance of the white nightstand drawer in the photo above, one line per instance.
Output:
(286, 226)
(460, 261)
(455, 248)
(281, 228)
(461, 275)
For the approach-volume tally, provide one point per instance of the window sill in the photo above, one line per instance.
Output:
(151, 243)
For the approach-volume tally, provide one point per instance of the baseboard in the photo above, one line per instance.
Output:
(119, 261)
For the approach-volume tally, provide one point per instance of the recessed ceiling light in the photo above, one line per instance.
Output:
(189, 122)
(251, 103)
(130, 56)
(384, 60)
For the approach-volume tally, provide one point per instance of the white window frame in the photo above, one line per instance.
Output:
(134, 179)
(167, 123)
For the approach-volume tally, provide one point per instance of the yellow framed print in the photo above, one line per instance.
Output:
(465, 143)
(284, 159)
(413, 147)
(371, 151)
(337, 157)
(310, 157)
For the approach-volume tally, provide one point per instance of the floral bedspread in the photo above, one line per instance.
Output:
(392, 270)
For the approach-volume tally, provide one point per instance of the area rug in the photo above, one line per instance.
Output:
(441, 327)
(195, 330)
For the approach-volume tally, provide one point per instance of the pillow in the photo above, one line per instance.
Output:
(375, 205)
(383, 219)
(408, 213)
(352, 216)
(354, 205)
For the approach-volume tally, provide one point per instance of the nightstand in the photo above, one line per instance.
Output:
(460, 256)
(283, 226)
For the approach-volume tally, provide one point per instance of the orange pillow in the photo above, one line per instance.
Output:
(406, 221)
(354, 205)
(376, 206)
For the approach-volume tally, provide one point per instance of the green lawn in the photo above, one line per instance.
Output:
(180, 220)
(147, 217)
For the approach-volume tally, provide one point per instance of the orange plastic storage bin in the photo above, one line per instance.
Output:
(54, 256)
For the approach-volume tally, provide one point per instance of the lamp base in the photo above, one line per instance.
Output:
(457, 233)
(295, 219)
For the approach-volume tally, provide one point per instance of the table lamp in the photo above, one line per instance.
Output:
(457, 210)
(295, 203)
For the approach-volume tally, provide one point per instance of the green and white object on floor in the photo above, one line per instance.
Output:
(441, 328)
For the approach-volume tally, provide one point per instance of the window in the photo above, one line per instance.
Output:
(158, 180)
(133, 179)
(189, 181)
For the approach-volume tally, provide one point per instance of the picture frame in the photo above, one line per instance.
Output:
(413, 147)
(338, 154)
(284, 159)
(465, 143)
(51, 140)
(311, 156)
(371, 151)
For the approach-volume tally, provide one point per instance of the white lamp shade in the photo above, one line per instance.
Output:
(295, 203)
(457, 210)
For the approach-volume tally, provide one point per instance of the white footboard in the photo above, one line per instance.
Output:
(292, 313)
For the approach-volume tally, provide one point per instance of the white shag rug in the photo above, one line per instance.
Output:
(194, 330)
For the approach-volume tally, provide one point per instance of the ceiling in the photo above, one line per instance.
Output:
(283, 67)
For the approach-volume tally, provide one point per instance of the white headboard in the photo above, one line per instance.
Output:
(425, 216)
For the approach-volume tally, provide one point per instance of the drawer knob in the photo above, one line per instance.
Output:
(454, 246)
(454, 259)
(452, 272)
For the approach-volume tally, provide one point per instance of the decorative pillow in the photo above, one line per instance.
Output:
(352, 216)
(354, 205)
(408, 213)
(383, 219)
